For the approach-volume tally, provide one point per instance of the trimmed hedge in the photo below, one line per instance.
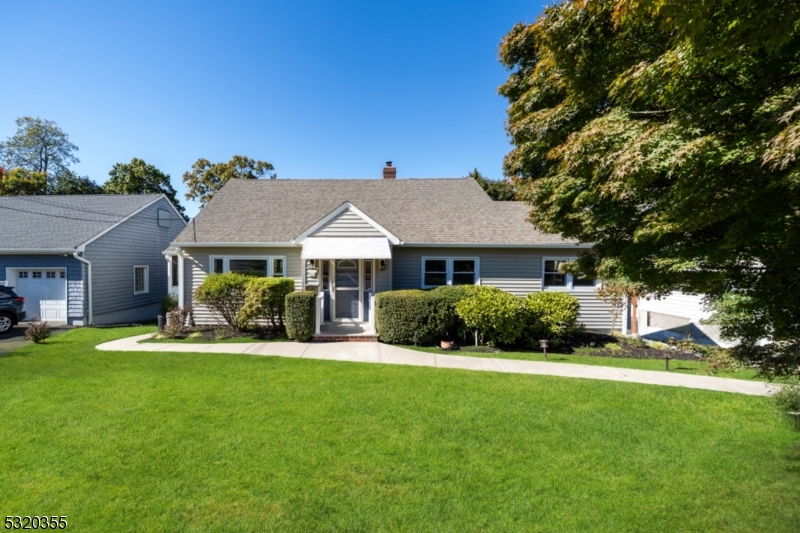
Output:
(553, 315)
(300, 315)
(419, 317)
(265, 299)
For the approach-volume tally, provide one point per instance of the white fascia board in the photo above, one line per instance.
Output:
(82, 247)
(234, 244)
(471, 245)
(339, 210)
(39, 251)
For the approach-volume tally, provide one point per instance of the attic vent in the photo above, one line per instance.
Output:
(163, 218)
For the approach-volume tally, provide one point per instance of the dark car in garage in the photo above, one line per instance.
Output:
(12, 309)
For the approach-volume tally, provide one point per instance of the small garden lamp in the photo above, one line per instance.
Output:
(543, 344)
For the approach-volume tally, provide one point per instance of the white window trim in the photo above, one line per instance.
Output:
(226, 259)
(569, 286)
(449, 275)
(146, 279)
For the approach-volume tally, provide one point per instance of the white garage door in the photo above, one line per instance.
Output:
(45, 293)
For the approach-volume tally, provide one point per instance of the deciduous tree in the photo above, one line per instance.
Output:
(138, 177)
(20, 181)
(206, 178)
(68, 182)
(500, 190)
(38, 146)
(667, 133)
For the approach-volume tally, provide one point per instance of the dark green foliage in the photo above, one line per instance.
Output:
(224, 294)
(667, 133)
(551, 315)
(265, 299)
(500, 190)
(68, 182)
(300, 315)
(138, 177)
(168, 303)
(37, 331)
(419, 317)
(206, 178)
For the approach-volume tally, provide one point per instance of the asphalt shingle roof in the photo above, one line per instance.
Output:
(62, 222)
(430, 211)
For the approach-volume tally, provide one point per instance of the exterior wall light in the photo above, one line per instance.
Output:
(382, 264)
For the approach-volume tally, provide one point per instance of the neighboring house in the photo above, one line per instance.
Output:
(349, 239)
(678, 315)
(87, 259)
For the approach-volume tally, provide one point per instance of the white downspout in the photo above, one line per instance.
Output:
(88, 281)
(181, 296)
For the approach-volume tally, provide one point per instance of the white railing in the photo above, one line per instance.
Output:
(372, 311)
(320, 311)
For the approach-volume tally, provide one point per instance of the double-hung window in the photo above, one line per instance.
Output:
(552, 278)
(439, 271)
(141, 280)
(272, 266)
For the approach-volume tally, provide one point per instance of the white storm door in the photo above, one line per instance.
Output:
(346, 290)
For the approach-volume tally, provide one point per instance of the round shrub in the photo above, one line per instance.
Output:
(224, 294)
(551, 315)
(37, 331)
(300, 315)
(498, 316)
(265, 299)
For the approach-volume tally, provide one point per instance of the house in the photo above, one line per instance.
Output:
(87, 259)
(349, 239)
(678, 315)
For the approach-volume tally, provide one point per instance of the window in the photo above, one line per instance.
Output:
(37, 275)
(277, 267)
(249, 265)
(553, 278)
(141, 279)
(51, 275)
(22, 274)
(326, 275)
(174, 270)
(62, 274)
(438, 271)
(163, 218)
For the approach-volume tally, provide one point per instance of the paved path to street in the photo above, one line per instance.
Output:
(375, 352)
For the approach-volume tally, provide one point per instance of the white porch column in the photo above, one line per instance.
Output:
(320, 307)
(181, 280)
(372, 310)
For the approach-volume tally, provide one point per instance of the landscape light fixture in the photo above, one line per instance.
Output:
(543, 344)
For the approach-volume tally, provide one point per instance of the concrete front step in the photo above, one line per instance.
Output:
(344, 338)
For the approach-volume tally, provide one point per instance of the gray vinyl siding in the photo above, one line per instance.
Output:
(347, 224)
(137, 241)
(75, 277)
(196, 265)
(383, 278)
(516, 270)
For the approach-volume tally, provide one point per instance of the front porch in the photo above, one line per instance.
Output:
(345, 332)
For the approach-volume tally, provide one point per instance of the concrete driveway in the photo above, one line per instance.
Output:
(16, 337)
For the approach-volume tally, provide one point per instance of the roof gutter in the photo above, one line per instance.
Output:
(233, 244)
(88, 281)
(39, 251)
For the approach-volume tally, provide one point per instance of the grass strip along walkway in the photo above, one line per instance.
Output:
(373, 352)
(190, 442)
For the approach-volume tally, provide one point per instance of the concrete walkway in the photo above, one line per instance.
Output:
(375, 352)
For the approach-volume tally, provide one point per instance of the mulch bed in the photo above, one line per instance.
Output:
(212, 334)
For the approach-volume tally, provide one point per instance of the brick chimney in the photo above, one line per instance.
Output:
(389, 172)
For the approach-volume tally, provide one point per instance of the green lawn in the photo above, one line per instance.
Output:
(121, 441)
(584, 356)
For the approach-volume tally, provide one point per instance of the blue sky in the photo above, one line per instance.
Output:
(319, 89)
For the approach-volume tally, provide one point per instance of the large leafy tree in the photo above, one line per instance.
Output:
(667, 133)
(500, 190)
(38, 146)
(68, 182)
(138, 177)
(19, 181)
(206, 178)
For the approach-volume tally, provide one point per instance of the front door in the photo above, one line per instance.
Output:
(346, 290)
